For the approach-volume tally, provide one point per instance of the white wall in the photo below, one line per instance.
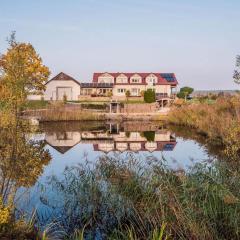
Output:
(51, 89)
(34, 97)
(158, 88)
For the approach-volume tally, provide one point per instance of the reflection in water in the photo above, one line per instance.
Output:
(114, 137)
(76, 195)
(21, 160)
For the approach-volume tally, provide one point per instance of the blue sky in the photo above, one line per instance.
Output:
(198, 40)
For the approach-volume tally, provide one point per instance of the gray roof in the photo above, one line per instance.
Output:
(96, 85)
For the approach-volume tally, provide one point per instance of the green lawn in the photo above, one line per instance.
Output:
(36, 104)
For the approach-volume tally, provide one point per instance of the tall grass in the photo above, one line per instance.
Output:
(122, 198)
(219, 121)
(64, 114)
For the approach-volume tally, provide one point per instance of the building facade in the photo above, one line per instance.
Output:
(162, 83)
(111, 84)
(60, 86)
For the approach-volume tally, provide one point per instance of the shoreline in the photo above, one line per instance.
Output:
(56, 115)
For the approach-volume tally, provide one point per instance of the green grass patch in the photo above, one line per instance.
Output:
(36, 104)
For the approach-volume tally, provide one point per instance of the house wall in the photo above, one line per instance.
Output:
(157, 88)
(51, 89)
(34, 97)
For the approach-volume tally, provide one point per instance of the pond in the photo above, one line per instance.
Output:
(63, 188)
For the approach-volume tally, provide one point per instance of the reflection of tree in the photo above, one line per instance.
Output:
(21, 160)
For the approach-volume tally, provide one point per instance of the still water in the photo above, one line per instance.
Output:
(73, 144)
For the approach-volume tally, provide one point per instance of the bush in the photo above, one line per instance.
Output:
(94, 106)
(149, 96)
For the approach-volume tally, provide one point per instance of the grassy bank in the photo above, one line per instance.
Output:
(219, 121)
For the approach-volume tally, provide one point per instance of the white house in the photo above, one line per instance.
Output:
(61, 85)
(164, 85)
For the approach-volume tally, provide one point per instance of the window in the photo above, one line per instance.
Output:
(121, 90)
(121, 80)
(135, 91)
(135, 80)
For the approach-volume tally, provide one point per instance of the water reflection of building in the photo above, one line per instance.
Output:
(63, 141)
(116, 138)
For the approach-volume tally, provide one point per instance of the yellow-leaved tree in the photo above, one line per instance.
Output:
(21, 73)
(21, 159)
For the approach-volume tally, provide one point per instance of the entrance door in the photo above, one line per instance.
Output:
(61, 91)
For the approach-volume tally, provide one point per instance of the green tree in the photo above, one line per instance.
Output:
(149, 96)
(185, 92)
(127, 94)
(236, 75)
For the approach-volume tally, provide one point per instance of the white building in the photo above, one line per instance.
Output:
(164, 85)
(60, 86)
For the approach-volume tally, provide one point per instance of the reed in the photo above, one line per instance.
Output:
(62, 114)
(122, 198)
(219, 121)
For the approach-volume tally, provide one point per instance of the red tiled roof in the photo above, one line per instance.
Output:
(63, 77)
(162, 77)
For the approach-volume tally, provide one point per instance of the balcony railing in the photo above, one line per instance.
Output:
(160, 96)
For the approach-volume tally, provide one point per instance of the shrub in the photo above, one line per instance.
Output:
(149, 96)
(64, 98)
(149, 135)
(94, 106)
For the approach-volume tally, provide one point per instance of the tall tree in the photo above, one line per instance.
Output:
(21, 73)
(185, 92)
(236, 74)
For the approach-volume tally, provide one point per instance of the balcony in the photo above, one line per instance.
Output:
(161, 96)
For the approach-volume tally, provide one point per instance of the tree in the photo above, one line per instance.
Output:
(185, 92)
(21, 73)
(110, 94)
(149, 96)
(127, 94)
(236, 74)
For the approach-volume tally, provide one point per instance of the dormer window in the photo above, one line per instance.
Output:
(136, 79)
(151, 79)
(106, 78)
(122, 79)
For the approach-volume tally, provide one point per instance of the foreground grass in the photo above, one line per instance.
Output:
(122, 198)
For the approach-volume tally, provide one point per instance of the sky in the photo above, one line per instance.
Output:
(197, 40)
